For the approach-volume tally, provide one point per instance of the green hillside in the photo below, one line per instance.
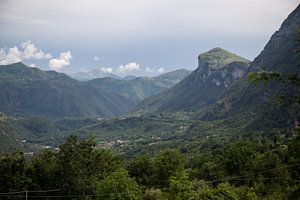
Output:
(27, 134)
(31, 92)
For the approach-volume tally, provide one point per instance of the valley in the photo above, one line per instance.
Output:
(227, 130)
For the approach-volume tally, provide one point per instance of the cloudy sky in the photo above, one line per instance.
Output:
(141, 37)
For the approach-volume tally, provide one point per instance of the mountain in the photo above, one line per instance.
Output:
(258, 101)
(217, 70)
(129, 78)
(140, 88)
(31, 92)
(93, 74)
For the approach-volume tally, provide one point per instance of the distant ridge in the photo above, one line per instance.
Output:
(139, 88)
(93, 74)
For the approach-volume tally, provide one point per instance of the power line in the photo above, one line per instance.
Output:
(246, 175)
(236, 178)
(71, 196)
(24, 191)
(7, 193)
(41, 191)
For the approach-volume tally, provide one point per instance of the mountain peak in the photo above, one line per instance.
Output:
(218, 58)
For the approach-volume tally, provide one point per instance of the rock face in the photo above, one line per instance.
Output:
(219, 67)
(217, 70)
(257, 100)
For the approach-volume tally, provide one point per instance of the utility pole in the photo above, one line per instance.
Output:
(26, 194)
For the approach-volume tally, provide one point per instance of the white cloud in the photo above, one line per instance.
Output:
(31, 51)
(96, 58)
(107, 70)
(12, 56)
(27, 50)
(129, 67)
(149, 69)
(154, 70)
(63, 60)
(161, 70)
(33, 65)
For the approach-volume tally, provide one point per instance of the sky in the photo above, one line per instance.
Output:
(138, 37)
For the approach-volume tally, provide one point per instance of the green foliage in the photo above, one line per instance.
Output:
(167, 163)
(36, 133)
(81, 165)
(118, 186)
(238, 158)
(294, 155)
(254, 170)
(14, 173)
(152, 194)
(264, 76)
(180, 187)
(142, 169)
(276, 172)
(46, 168)
(222, 192)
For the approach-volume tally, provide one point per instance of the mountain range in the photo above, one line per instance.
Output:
(173, 108)
(93, 74)
(138, 88)
(32, 92)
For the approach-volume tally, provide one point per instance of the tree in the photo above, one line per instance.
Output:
(237, 158)
(142, 169)
(118, 186)
(180, 187)
(81, 165)
(166, 164)
(15, 173)
(152, 194)
(45, 170)
(222, 192)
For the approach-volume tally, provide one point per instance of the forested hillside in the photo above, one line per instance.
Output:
(31, 92)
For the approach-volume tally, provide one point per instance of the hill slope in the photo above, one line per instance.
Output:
(257, 100)
(27, 133)
(31, 92)
(217, 70)
(139, 88)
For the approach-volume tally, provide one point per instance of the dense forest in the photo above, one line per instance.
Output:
(250, 170)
